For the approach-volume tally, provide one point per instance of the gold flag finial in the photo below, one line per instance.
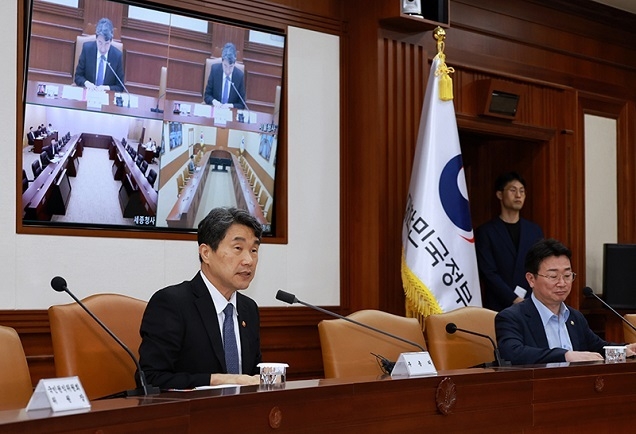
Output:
(443, 71)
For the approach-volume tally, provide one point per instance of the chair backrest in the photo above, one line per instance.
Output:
(461, 350)
(81, 347)
(44, 158)
(152, 177)
(629, 334)
(347, 348)
(36, 167)
(208, 67)
(15, 381)
(79, 43)
(143, 166)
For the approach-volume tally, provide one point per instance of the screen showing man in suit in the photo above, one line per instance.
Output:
(101, 66)
(226, 83)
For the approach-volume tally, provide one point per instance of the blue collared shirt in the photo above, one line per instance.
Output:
(554, 325)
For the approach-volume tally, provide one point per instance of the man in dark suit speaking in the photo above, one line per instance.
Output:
(203, 332)
(226, 83)
(93, 71)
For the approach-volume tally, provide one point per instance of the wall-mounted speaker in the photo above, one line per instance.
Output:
(412, 7)
(500, 98)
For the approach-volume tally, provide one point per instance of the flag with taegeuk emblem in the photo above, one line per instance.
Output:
(439, 265)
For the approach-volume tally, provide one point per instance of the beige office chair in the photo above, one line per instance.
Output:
(347, 347)
(79, 43)
(81, 347)
(461, 350)
(208, 67)
(629, 334)
(15, 380)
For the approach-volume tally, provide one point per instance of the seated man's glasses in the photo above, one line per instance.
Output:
(554, 278)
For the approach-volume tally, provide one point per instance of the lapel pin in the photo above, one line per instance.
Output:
(571, 322)
(243, 323)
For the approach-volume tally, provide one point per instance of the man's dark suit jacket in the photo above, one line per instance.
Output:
(86, 67)
(522, 340)
(215, 86)
(181, 340)
(501, 266)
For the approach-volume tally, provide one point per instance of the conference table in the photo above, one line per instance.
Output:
(581, 397)
(50, 192)
(206, 115)
(73, 97)
(184, 211)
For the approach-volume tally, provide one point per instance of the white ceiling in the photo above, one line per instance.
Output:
(626, 5)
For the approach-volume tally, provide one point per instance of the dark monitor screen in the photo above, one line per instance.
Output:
(179, 93)
(619, 275)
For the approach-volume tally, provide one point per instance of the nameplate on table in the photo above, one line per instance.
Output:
(96, 99)
(73, 92)
(222, 115)
(203, 110)
(414, 364)
(59, 394)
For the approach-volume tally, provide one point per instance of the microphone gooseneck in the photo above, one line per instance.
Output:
(451, 328)
(58, 283)
(120, 82)
(239, 94)
(588, 292)
(291, 299)
(156, 109)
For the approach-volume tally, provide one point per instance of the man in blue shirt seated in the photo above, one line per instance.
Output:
(542, 328)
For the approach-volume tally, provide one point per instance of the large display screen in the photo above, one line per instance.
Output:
(137, 118)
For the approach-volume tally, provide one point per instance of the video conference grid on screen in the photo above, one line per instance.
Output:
(130, 160)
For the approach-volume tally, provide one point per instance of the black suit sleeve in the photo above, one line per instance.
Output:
(80, 70)
(163, 355)
(517, 342)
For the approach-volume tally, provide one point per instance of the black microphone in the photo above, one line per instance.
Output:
(120, 82)
(588, 292)
(388, 365)
(238, 93)
(452, 328)
(59, 284)
(157, 109)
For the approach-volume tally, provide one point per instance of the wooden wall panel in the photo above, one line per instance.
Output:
(556, 50)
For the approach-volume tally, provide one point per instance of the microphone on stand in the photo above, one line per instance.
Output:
(452, 328)
(241, 98)
(588, 292)
(157, 109)
(388, 365)
(120, 82)
(59, 284)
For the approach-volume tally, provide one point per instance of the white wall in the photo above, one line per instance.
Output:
(308, 265)
(601, 219)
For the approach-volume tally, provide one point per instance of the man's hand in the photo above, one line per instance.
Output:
(582, 356)
(242, 380)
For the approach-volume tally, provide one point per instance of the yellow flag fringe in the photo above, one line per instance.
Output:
(420, 301)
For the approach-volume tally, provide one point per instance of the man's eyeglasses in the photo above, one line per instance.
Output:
(554, 278)
(514, 191)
